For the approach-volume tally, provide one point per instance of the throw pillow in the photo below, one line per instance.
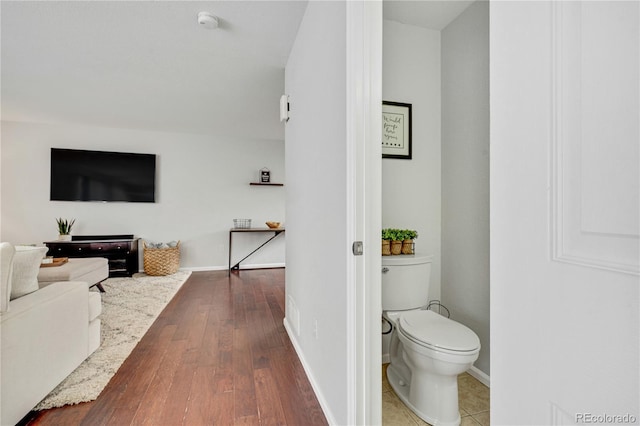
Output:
(6, 259)
(26, 265)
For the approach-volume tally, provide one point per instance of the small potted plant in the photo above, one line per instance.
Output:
(408, 236)
(387, 236)
(64, 229)
(395, 238)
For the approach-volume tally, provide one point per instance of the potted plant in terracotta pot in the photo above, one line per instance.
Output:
(64, 229)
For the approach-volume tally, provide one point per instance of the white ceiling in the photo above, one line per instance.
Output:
(148, 64)
(434, 14)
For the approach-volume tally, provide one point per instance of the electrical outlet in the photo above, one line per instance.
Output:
(315, 329)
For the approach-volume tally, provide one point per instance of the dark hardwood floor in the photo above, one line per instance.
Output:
(217, 355)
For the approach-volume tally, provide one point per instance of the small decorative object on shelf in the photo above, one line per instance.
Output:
(265, 178)
(242, 223)
(273, 225)
(64, 229)
(265, 175)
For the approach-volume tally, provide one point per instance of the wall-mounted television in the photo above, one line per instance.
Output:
(79, 175)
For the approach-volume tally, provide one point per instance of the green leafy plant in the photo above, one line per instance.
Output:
(399, 234)
(64, 226)
(392, 234)
(389, 234)
(410, 234)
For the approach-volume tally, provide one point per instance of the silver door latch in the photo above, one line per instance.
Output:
(357, 248)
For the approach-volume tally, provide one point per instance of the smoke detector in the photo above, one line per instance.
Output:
(207, 20)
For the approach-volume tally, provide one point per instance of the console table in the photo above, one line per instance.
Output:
(276, 231)
(120, 250)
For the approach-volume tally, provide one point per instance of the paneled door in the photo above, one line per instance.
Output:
(565, 211)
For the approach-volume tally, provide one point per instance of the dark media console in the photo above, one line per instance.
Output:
(120, 250)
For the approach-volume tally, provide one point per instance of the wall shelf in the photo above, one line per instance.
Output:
(266, 184)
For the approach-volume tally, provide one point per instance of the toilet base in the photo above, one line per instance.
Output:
(402, 389)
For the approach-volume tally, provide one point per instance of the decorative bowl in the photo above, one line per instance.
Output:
(273, 225)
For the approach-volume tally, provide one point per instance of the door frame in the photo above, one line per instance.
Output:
(364, 201)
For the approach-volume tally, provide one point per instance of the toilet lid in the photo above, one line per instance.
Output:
(439, 332)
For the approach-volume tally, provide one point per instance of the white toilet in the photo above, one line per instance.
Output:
(427, 351)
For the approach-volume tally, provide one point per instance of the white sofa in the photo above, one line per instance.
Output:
(45, 333)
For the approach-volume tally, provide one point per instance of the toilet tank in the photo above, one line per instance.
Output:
(405, 281)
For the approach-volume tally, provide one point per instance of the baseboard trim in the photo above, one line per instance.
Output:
(262, 266)
(242, 267)
(204, 268)
(310, 377)
(480, 375)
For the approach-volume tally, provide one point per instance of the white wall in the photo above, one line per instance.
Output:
(565, 320)
(202, 185)
(316, 204)
(465, 172)
(411, 188)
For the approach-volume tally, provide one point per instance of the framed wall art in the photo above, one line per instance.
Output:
(396, 130)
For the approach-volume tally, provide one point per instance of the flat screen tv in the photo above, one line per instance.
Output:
(78, 175)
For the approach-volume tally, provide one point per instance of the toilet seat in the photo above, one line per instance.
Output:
(431, 330)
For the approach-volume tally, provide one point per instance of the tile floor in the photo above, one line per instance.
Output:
(473, 402)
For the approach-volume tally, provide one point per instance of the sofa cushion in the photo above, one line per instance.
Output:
(26, 265)
(6, 258)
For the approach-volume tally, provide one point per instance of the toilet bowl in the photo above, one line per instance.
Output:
(427, 351)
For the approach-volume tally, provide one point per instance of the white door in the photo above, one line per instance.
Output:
(564, 212)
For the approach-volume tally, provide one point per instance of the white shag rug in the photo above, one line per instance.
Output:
(129, 307)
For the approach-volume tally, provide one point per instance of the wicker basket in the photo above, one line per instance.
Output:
(161, 261)
(408, 247)
(386, 247)
(396, 247)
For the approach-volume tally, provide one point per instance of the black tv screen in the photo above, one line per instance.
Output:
(78, 175)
